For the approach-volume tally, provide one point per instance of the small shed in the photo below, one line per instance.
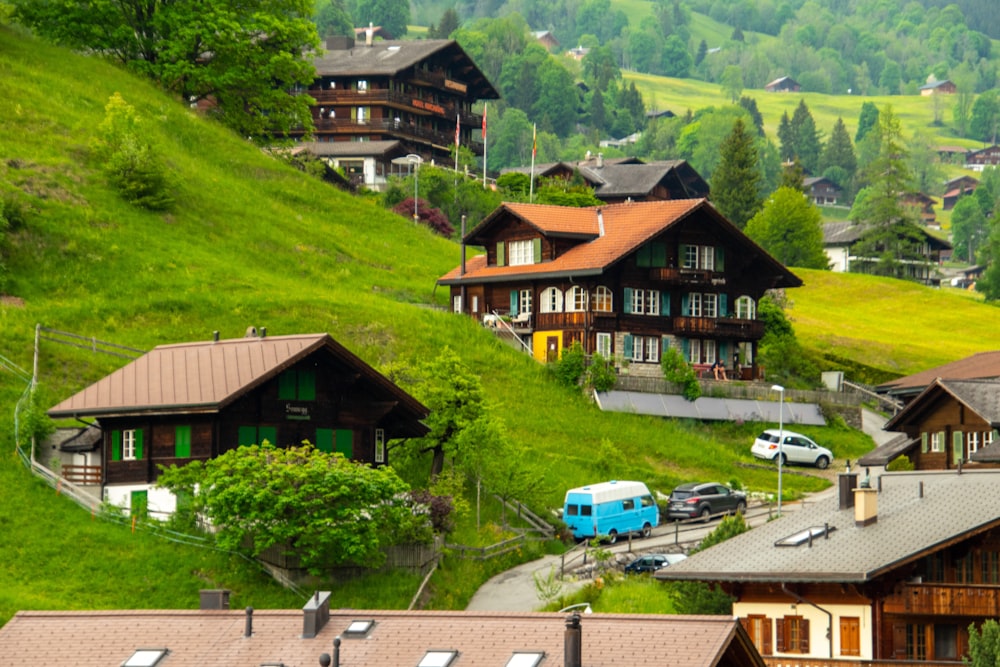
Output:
(785, 84)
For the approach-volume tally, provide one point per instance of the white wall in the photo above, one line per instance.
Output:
(819, 646)
(160, 502)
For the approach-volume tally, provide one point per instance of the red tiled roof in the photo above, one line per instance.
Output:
(625, 226)
(398, 638)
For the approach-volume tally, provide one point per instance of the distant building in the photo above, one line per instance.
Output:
(938, 88)
(986, 157)
(957, 187)
(822, 190)
(785, 84)
(841, 241)
(546, 39)
(578, 52)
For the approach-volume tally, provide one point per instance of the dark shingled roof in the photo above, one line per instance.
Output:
(918, 513)
(886, 452)
(978, 366)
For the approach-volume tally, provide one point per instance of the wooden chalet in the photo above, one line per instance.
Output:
(620, 180)
(986, 157)
(957, 187)
(626, 281)
(883, 575)
(195, 401)
(784, 84)
(922, 205)
(983, 365)
(944, 87)
(419, 93)
(841, 240)
(946, 426)
(822, 191)
(319, 635)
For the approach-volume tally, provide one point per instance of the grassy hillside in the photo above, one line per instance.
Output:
(254, 242)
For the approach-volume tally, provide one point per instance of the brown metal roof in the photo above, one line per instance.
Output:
(980, 365)
(398, 638)
(204, 376)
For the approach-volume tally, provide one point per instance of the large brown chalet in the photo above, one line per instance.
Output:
(624, 280)
(195, 401)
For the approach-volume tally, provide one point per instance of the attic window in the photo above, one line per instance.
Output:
(803, 536)
(359, 628)
(437, 659)
(145, 657)
(525, 659)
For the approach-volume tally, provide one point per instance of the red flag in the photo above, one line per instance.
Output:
(534, 140)
(458, 126)
(484, 121)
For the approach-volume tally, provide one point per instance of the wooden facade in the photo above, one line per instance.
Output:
(626, 281)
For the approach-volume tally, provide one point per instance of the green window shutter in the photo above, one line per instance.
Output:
(627, 305)
(957, 449)
(664, 345)
(269, 433)
(536, 248)
(324, 440)
(627, 344)
(286, 386)
(345, 442)
(513, 303)
(923, 443)
(182, 442)
(723, 352)
(686, 348)
(681, 254)
(720, 258)
(685, 305)
(642, 257)
(138, 443)
(723, 305)
(116, 445)
(658, 255)
(307, 385)
(247, 435)
(665, 303)
(500, 255)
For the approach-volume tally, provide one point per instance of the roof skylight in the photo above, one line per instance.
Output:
(359, 628)
(437, 659)
(145, 657)
(525, 659)
(803, 536)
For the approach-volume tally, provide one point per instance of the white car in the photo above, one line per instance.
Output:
(796, 448)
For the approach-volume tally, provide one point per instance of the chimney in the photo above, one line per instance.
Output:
(248, 628)
(865, 503)
(461, 246)
(600, 222)
(573, 647)
(215, 336)
(369, 33)
(263, 332)
(846, 483)
(600, 160)
(251, 332)
(216, 598)
(315, 614)
(339, 43)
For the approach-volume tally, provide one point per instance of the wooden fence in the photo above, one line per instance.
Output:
(758, 391)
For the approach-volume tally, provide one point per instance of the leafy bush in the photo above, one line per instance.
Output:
(601, 374)
(432, 217)
(570, 367)
(678, 371)
(900, 463)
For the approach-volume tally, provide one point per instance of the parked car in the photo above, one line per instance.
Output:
(704, 500)
(796, 448)
(652, 563)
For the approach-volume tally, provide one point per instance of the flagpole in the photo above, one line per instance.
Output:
(458, 126)
(534, 147)
(484, 143)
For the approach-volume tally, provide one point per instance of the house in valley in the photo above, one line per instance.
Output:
(626, 281)
(842, 242)
(979, 366)
(957, 187)
(319, 635)
(822, 191)
(890, 571)
(935, 87)
(784, 84)
(195, 401)
(948, 425)
(985, 157)
(416, 94)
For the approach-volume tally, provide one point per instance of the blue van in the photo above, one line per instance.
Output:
(610, 509)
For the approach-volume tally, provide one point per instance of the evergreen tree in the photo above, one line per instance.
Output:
(985, 118)
(867, 119)
(838, 161)
(790, 228)
(447, 25)
(736, 178)
(807, 143)
(598, 117)
(332, 18)
(702, 52)
(792, 176)
(969, 228)
(750, 104)
(786, 138)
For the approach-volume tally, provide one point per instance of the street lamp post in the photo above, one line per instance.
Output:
(781, 437)
(415, 161)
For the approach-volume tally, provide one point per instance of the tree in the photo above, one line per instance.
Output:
(695, 597)
(448, 24)
(984, 644)
(989, 283)
(806, 137)
(325, 509)
(985, 118)
(333, 19)
(867, 120)
(732, 82)
(786, 138)
(735, 180)
(839, 153)
(969, 228)
(790, 228)
(750, 104)
(557, 101)
(392, 15)
(965, 94)
(600, 67)
(675, 58)
(244, 56)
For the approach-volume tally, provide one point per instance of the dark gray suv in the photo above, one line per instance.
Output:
(704, 500)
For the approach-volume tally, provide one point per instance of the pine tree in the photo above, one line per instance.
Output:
(867, 119)
(786, 138)
(807, 143)
(750, 104)
(702, 52)
(839, 153)
(735, 182)
(447, 25)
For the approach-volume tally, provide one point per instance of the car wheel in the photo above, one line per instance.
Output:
(647, 530)
(612, 537)
(706, 514)
(822, 462)
(741, 507)
(782, 459)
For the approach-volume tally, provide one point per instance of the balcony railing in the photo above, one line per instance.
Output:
(945, 600)
(392, 98)
(675, 276)
(80, 474)
(786, 661)
(389, 128)
(719, 327)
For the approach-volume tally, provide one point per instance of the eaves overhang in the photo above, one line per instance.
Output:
(519, 277)
(143, 411)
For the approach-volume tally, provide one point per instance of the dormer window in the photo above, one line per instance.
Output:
(521, 252)
(701, 257)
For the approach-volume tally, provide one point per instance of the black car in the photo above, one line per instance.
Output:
(652, 563)
(704, 500)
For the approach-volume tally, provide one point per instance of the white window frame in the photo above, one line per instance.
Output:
(707, 257)
(576, 299)
(652, 350)
(128, 444)
(694, 304)
(456, 303)
(694, 351)
(637, 345)
(710, 305)
(524, 301)
(987, 438)
(604, 300)
(690, 257)
(937, 441)
(475, 303)
(362, 85)
(604, 345)
(652, 302)
(638, 297)
(380, 445)
(551, 300)
(360, 117)
(520, 253)
(972, 441)
(708, 350)
(746, 308)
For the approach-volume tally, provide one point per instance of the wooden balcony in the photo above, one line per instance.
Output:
(719, 327)
(675, 276)
(786, 661)
(396, 100)
(945, 600)
(389, 129)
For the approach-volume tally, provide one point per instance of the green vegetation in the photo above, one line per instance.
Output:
(252, 241)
